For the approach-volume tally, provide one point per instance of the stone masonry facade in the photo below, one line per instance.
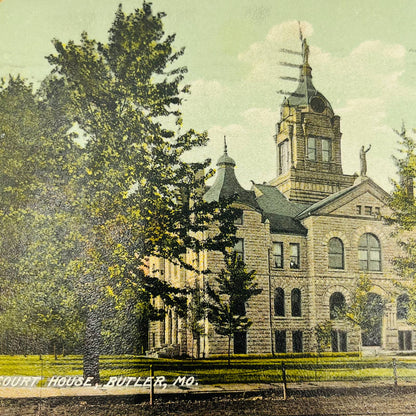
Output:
(309, 234)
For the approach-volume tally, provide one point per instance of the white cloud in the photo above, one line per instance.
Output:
(365, 86)
(261, 118)
(364, 122)
(207, 89)
(266, 56)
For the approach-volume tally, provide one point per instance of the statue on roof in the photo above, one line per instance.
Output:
(363, 160)
(305, 52)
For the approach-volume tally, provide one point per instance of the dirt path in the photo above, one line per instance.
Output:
(386, 403)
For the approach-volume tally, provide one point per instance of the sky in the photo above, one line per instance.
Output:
(362, 53)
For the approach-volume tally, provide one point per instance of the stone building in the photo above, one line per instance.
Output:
(310, 233)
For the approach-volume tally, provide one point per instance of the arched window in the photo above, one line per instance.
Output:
(336, 305)
(279, 302)
(336, 253)
(369, 253)
(296, 302)
(402, 306)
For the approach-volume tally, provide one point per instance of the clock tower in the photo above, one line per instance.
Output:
(308, 143)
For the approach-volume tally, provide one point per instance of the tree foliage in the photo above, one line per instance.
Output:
(323, 335)
(365, 310)
(403, 216)
(80, 216)
(37, 158)
(226, 303)
(137, 197)
(403, 205)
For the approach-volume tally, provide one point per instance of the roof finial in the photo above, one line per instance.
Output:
(225, 145)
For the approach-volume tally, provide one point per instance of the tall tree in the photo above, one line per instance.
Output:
(403, 216)
(226, 303)
(36, 158)
(136, 195)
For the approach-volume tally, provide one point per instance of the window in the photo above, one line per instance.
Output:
(284, 157)
(336, 253)
(296, 302)
(359, 209)
(294, 256)
(338, 341)
(297, 340)
(239, 248)
(368, 210)
(326, 150)
(402, 306)
(170, 328)
(377, 211)
(369, 253)
(239, 220)
(278, 255)
(240, 342)
(336, 305)
(279, 302)
(311, 148)
(405, 340)
(280, 341)
(176, 326)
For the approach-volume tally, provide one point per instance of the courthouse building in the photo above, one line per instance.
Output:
(309, 234)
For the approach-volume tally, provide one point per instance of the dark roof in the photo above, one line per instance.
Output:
(226, 185)
(279, 211)
(285, 224)
(305, 90)
(271, 200)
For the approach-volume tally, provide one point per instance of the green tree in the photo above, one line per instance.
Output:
(196, 314)
(403, 216)
(323, 336)
(226, 302)
(136, 196)
(36, 159)
(365, 311)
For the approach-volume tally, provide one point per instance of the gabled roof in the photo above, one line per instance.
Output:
(361, 181)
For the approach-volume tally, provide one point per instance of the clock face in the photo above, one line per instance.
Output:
(317, 105)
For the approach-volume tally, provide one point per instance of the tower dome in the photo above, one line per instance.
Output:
(306, 95)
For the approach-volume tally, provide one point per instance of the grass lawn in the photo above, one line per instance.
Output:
(213, 371)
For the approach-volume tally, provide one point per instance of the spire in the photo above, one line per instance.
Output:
(225, 159)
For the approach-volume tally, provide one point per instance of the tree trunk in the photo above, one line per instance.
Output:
(229, 350)
(92, 346)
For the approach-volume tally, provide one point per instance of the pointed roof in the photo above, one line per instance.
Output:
(226, 184)
(305, 91)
